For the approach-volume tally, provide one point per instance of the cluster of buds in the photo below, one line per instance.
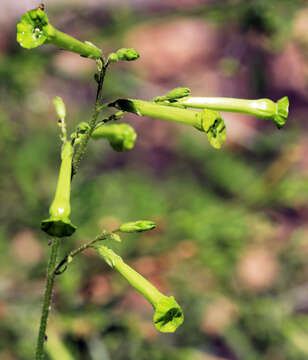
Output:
(123, 54)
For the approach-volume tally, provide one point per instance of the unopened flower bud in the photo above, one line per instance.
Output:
(137, 226)
(60, 107)
(127, 54)
(174, 94)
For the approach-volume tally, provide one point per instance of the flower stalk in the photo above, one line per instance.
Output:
(59, 224)
(168, 315)
(34, 30)
(261, 108)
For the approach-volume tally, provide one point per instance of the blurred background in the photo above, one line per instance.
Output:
(232, 237)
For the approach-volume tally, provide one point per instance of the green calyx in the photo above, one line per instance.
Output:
(34, 30)
(168, 315)
(137, 226)
(121, 137)
(207, 121)
(59, 224)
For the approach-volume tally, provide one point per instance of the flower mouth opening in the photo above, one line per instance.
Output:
(32, 29)
(58, 227)
(168, 315)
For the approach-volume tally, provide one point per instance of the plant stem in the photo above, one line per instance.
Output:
(63, 262)
(47, 299)
(52, 269)
(85, 139)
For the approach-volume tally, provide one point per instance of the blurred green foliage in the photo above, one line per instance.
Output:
(231, 236)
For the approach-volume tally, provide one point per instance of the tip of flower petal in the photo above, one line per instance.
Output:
(168, 315)
(32, 29)
(58, 227)
(282, 112)
(213, 125)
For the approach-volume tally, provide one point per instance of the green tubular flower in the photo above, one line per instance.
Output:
(262, 108)
(137, 226)
(59, 224)
(121, 137)
(168, 315)
(207, 121)
(34, 30)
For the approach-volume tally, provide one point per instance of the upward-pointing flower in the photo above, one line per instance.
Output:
(59, 224)
(33, 29)
(168, 315)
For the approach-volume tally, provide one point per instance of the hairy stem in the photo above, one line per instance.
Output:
(62, 265)
(47, 299)
(85, 139)
(52, 270)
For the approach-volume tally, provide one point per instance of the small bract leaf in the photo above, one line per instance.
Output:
(115, 237)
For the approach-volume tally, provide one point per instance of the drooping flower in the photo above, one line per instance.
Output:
(168, 315)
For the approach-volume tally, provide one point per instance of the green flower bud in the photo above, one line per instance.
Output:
(208, 121)
(262, 108)
(59, 224)
(113, 58)
(127, 54)
(34, 30)
(60, 107)
(174, 94)
(137, 226)
(121, 137)
(83, 127)
(168, 315)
